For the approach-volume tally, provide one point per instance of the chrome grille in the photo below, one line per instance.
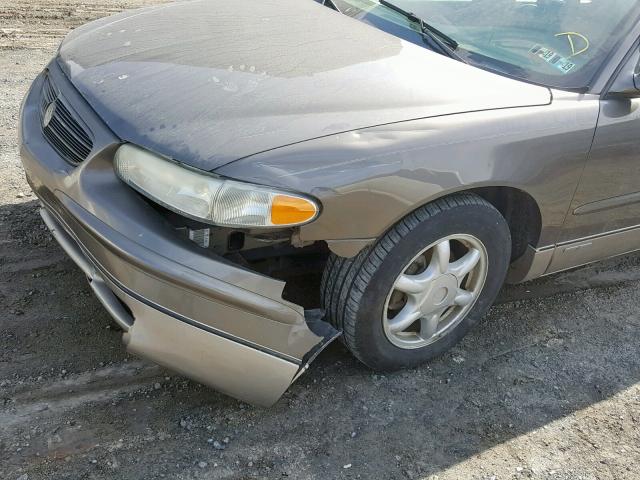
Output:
(60, 128)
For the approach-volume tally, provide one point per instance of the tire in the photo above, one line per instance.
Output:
(356, 292)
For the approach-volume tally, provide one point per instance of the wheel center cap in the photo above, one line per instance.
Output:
(441, 294)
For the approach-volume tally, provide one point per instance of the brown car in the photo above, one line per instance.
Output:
(242, 182)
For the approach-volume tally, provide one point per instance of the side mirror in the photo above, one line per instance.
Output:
(627, 84)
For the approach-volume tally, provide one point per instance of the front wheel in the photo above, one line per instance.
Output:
(422, 286)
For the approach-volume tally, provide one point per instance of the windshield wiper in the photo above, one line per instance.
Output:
(444, 41)
(331, 4)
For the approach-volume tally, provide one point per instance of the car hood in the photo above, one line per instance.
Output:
(209, 82)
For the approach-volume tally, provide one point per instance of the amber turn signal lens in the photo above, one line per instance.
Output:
(286, 210)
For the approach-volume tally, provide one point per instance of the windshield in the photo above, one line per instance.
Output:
(558, 43)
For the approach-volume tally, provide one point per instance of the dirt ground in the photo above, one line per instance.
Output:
(546, 387)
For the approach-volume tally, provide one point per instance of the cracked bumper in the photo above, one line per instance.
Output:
(179, 306)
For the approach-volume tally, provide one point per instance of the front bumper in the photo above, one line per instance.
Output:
(179, 305)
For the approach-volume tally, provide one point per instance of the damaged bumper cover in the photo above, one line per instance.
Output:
(178, 305)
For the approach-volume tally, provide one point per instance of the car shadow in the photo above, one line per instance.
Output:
(548, 349)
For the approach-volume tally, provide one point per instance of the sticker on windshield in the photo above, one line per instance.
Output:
(554, 59)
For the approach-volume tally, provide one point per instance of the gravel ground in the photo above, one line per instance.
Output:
(546, 387)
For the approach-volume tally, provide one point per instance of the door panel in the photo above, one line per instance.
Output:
(608, 196)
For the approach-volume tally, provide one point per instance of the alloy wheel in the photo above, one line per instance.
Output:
(435, 291)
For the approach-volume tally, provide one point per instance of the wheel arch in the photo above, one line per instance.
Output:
(519, 208)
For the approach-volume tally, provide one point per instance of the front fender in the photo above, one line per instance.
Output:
(368, 179)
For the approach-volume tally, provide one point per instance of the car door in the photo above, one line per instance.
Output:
(604, 219)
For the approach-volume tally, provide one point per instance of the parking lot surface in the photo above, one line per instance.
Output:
(546, 387)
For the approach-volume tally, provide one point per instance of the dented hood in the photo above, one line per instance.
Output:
(209, 82)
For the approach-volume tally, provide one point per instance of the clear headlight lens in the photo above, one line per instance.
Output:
(208, 198)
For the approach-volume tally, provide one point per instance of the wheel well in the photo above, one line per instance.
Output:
(521, 212)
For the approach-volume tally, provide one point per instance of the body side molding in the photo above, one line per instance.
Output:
(608, 203)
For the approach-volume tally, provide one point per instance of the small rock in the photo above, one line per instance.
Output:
(353, 434)
(519, 469)
(157, 386)
(458, 359)
(218, 446)
(202, 464)
(183, 423)
(555, 342)
(24, 476)
(225, 439)
(348, 465)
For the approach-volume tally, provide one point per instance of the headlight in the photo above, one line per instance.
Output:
(208, 198)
